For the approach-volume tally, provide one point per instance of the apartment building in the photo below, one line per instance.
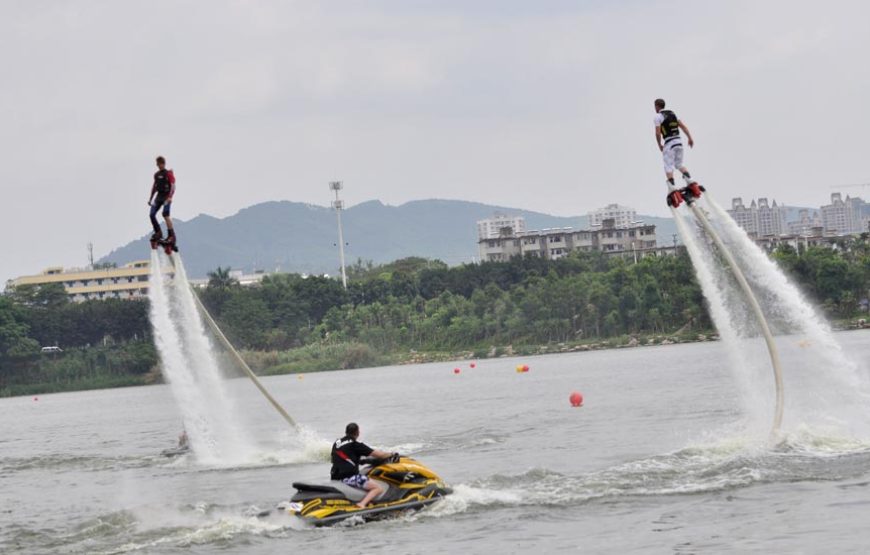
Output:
(127, 282)
(842, 217)
(553, 244)
(760, 218)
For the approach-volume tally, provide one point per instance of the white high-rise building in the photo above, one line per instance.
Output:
(761, 218)
(845, 216)
(743, 216)
(622, 216)
(500, 225)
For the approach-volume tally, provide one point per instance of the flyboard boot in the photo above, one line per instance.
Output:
(675, 195)
(169, 245)
(692, 190)
(156, 238)
(688, 194)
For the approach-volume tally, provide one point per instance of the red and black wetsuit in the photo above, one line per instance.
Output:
(164, 185)
(164, 188)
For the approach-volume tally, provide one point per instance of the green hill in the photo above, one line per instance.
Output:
(297, 237)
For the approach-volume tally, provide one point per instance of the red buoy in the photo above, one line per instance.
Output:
(456, 370)
(576, 399)
(472, 365)
(525, 367)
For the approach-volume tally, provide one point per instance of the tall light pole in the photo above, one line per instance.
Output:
(338, 204)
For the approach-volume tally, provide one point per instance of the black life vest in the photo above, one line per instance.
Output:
(163, 182)
(670, 126)
(345, 458)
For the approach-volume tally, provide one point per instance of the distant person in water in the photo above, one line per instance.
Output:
(183, 440)
(162, 191)
(346, 454)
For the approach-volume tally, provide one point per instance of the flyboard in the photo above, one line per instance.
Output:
(690, 194)
(167, 244)
(232, 350)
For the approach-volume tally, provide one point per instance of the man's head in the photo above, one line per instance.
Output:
(161, 162)
(352, 430)
(660, 104)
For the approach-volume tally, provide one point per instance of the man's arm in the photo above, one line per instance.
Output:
(659, 137)
(153, 190)
(378, 454)
(686, 131)
(172, 188)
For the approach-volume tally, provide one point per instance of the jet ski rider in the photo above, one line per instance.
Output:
(346, 454)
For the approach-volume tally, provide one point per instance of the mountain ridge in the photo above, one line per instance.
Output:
(293, 236)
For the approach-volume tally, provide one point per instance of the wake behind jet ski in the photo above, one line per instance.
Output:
(407, 485)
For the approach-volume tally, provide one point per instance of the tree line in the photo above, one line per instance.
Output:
(410, 304)
(421, 304)
(103, 343)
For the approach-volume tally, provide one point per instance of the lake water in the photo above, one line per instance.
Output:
(662, 458)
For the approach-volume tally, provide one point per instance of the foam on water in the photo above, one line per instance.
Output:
(737, 461)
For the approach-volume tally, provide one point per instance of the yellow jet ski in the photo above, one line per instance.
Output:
(407, 485)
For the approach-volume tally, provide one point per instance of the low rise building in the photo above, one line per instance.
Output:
(553, 244)
(815, 237)
(127, 282)
(239, 275)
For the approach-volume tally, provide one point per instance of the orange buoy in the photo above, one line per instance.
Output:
(456, 370)
(519, 368)
(576, 399)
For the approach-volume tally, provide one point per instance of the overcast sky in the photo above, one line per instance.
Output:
(533, 104)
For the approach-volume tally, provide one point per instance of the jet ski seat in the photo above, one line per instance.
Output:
(334, 486)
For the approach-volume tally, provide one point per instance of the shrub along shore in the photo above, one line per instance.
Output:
(410, 311)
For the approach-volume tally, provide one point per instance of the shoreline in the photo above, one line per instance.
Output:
(363, 356)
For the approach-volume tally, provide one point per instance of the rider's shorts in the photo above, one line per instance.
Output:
(357, 481)
(672, 155)
(158, 202)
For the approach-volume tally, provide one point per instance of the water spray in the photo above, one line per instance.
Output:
(238, 358)
(756, 308)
